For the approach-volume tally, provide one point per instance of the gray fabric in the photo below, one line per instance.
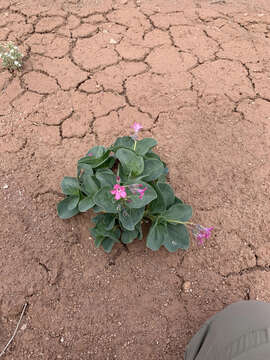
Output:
(241, 331)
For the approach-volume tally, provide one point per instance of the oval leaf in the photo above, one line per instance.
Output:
(95, 156)
(130, 217)
(128, 236)
(70, 186)
(107, 244)
(153, 169)
(107, 163)
(145, 145)
(84, 168)
(96, 152)
(152, 155)
(178, 238)
(86, 204)
(105, 200)
(63, 210)
(149, 196)
(167, 193)
(123, 142)
(156, 236)
(73, 201)
(158, 205)
(178, 213)
(106, 177)
(99, 232)
(89, 186)
(132, 163)
(107, 220)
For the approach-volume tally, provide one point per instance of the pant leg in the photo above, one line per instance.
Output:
(233, 332)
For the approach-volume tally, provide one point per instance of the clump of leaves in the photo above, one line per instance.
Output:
(126, 185)
(11, 57)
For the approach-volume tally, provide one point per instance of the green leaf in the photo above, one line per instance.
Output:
(106, 178)
(130, 217)
(149, 196)
(144, 145)
(123, 142)
(138, 227)
(107, 164)
(86, 203)
(99, 155)
(63, 209)
(128, 236)
(132, 163)
(167, 193)
(152, 155)
(96, 152)
(178, 201)
(73, 201)
(178, 213)
(98, 241)
(97, 209)
(107, 244)
(122, 174)
(163, 177)
(70, 186)
(85, 168)
(105, 200)
(156, 236)
(107, 220)
(153, 168)
(99, 232)
(178, 238)
(89, 186)
(158, 205)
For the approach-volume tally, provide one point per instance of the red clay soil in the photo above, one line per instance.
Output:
(196, 74)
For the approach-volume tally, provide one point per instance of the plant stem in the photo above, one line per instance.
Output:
(180, 222)
(15, 331)
(135, 145)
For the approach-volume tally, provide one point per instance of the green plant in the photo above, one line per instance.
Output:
(126, 184)
(11, 56)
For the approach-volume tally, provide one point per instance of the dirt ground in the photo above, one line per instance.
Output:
(196, 75)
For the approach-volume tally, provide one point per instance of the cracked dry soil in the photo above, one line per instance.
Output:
(196, 74)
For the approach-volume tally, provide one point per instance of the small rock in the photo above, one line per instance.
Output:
(5, 186)
(186, 286)
(112, 41)
(24, 326)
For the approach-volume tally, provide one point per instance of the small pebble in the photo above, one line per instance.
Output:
(186, 286)
(5, 186)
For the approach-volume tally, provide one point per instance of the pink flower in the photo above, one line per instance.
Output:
(118, 192)
(200, 232)
(90, 154)
(141, 192)
(207, 232)
(135, 188)
(136, 127)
